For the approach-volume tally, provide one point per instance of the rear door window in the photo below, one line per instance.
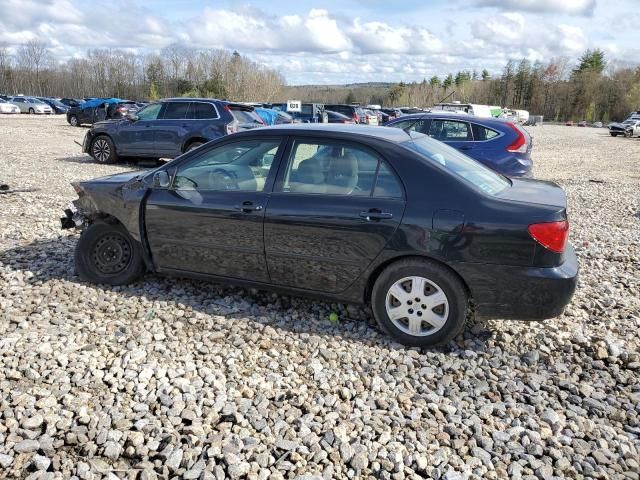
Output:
(176, 110)
(202, 111)
(450, 131)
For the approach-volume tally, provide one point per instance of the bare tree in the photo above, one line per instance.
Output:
(31, 57)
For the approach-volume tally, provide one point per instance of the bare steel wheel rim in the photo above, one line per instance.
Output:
(101, 150)
(417, 306)
(112, 254)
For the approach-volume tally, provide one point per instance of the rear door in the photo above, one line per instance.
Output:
(335, 206)
(172, 128)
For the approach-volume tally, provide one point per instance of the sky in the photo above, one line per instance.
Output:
(338, 41)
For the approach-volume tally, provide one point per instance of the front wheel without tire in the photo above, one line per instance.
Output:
(106, 253)
(419, 303)
(103, 150)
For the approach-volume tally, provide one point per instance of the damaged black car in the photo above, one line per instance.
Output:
(354, 213)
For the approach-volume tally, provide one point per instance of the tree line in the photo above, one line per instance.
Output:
(591, 90)
(175, 71)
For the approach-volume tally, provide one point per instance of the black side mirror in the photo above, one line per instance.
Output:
(132, 117)
(161, 179)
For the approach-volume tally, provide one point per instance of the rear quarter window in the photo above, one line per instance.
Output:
(482, 133)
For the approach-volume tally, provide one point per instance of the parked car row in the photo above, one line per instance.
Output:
(170, 127)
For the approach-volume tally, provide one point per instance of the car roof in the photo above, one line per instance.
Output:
(208, 100)
(396, 135)
(453, 116)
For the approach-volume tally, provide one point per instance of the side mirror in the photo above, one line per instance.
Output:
(161, 179)
(132, 117)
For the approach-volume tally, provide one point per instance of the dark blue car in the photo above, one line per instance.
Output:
(167, 128)
(499, 144)
(56, 106)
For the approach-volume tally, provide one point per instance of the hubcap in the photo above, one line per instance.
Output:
(74, 121)
(111, 254)
(101, 150)
(417, 306)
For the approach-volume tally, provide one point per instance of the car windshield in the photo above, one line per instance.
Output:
(460, 165)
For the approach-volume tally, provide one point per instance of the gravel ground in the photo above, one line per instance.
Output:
(172, 378)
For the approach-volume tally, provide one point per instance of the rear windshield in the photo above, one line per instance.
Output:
(245, 116)
(458, 164)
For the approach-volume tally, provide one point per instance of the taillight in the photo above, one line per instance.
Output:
(356, 118)
(232, 127)
(520, 144)
(551, 235)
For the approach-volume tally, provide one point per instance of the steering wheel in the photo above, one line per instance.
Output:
(185, 182)
(229, 179)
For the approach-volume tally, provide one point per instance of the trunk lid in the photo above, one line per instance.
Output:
(539, 192)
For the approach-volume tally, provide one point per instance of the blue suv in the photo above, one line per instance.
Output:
(499, 144)
(167, 128)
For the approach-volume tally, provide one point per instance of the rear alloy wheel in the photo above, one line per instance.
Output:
(73, 121)
(419, 303)
(103, 150)
(106, 253)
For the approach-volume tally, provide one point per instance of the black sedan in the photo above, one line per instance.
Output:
(344, 212)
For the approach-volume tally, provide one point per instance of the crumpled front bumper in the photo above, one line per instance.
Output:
(72, 218)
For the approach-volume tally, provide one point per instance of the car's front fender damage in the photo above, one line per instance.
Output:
(108, 201)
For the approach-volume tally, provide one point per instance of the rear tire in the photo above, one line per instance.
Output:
(106, 253)
(103, 150)
(614, 134)
(73, 121)
(428, 303)
(31, 111)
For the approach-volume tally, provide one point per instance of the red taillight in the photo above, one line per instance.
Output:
(356, 118)
(520, 144)
(232, 127)
(551, 235)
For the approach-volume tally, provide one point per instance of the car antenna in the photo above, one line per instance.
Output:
(445, 97)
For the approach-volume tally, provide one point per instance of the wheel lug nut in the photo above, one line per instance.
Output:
(411, 310)
(419, 314)
(417, 299)
(423, 306)
(409, 302)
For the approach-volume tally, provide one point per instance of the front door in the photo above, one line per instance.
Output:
(334, 208)
(455, 133)
(210, 220)
(135, 137)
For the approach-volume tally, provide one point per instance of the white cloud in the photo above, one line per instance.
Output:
(571, 7)
(384, 43)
